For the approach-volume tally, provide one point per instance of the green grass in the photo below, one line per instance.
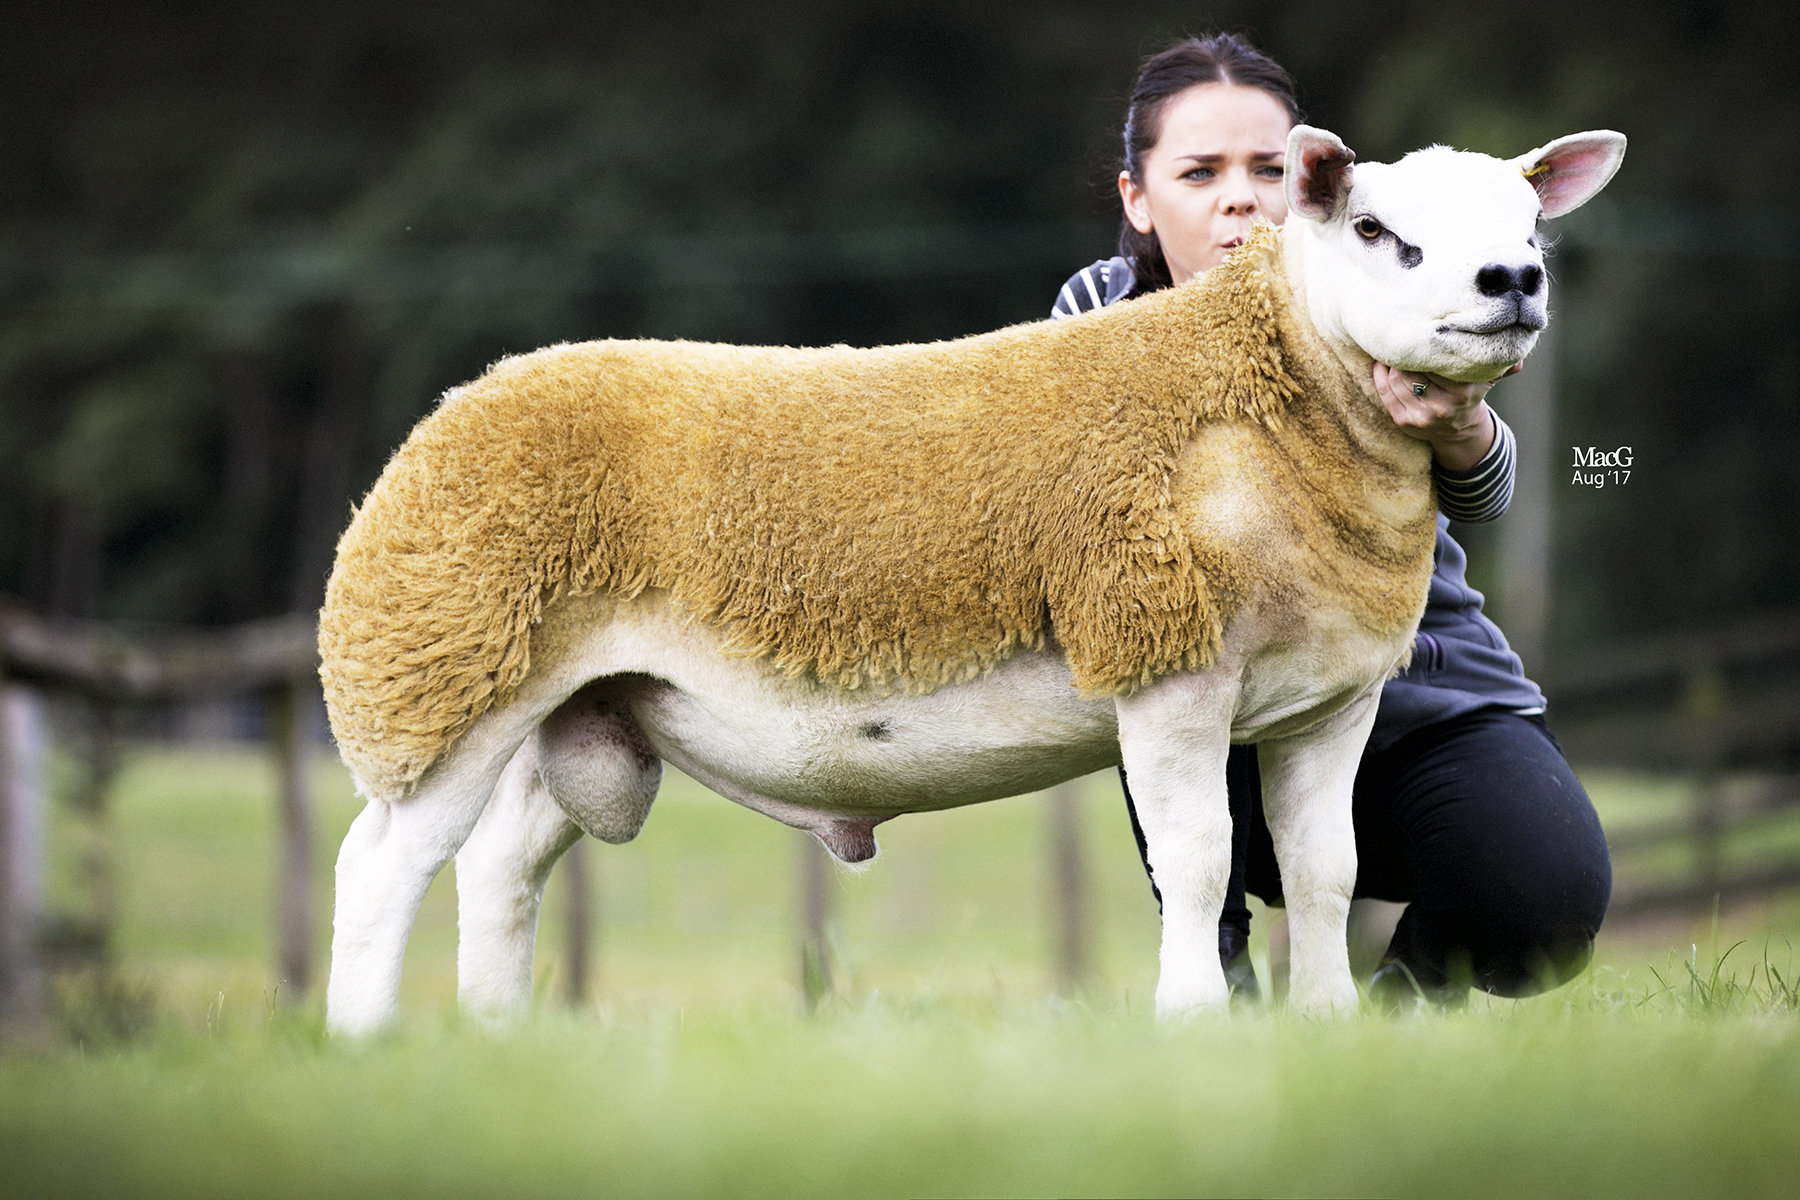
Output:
(942, 1066)
(937, 1097)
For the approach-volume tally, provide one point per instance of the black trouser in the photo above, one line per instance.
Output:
(1479, 824)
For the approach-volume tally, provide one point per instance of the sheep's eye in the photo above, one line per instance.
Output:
(1368, 228)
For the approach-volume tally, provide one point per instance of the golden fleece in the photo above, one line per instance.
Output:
(905, 516)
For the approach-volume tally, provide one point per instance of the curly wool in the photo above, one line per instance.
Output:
(907, 515)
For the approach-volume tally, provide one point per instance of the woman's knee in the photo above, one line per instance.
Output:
(1526, 966)
(1511, 955)
(1526, 869)
(1542, 936)
(1513, 923)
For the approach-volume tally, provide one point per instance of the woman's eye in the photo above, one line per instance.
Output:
(1199, 174)
(1272, 172)
(1368, 228)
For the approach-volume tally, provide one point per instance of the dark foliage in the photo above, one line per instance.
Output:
(242, 249)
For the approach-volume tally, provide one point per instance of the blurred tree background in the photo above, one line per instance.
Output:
(244, 247)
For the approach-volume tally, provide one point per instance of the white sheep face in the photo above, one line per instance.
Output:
(1434, 263)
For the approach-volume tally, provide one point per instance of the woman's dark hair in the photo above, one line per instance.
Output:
(1222, 58)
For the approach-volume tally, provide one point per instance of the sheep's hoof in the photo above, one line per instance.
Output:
(1187, 1004)
(1326, 1004)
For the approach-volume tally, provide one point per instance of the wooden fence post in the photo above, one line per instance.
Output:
(1526, 551)
(24, 741)
(290, 711)
(1068, 889)
(97, 859)
(579, 915)
(1705, 701)
(815, 956)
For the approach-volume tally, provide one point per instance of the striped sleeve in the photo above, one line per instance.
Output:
(1483, 491)
(1085, 291)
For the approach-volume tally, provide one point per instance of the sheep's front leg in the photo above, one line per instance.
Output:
(500, 875)
(1306, 782)
(1174, 736)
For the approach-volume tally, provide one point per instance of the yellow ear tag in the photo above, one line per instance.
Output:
(1541, 169)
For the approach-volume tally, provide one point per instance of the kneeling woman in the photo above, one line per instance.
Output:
(1465, 809)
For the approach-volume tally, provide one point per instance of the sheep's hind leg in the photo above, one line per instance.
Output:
(393, 851)
(587, 768)
(500, 876)
(1307, 781)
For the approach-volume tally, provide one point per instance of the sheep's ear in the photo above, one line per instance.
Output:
(1318, 173)
(1570, 171)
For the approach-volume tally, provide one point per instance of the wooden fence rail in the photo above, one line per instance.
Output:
(1717, 817)
(1720, 707)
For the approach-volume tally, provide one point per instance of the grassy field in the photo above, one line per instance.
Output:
(942, 1066)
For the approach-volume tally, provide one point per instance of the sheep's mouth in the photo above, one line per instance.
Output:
(1489, 342)
(1514, 325)
(1516, 317)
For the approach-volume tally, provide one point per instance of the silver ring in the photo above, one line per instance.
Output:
(1418, 389)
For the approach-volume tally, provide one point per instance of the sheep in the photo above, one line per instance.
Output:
(836, 585)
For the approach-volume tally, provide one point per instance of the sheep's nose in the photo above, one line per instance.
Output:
(1496, 280)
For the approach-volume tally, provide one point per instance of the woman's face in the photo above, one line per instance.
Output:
(1216, 167)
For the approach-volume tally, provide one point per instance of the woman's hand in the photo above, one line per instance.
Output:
(1453, 417)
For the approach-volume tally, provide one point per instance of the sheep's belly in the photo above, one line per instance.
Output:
(784, 745)
(804, 752)
(771, 742)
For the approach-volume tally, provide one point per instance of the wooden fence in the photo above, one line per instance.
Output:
(103, 670)
(1721, 709)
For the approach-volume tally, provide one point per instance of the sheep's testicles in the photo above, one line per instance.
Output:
(596, 763)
